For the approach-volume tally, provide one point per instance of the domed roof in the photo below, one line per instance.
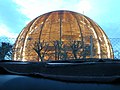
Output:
(62, 35)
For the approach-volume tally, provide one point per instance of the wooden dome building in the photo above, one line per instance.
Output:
(62, 35)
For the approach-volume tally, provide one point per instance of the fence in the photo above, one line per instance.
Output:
(6, 45)
(116, 47)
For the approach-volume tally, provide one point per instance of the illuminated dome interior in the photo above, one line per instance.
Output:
(61, 35)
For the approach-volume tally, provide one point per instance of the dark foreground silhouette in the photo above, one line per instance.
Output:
(60, 75)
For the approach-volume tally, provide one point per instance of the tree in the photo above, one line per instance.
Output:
(64, 55)
(75, 46)
(5, 51)
(60, 50)
(40, 48)
(86, 51)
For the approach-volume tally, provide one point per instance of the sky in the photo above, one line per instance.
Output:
(15, 14)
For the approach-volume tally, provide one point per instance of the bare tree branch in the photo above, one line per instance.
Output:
(40, 48)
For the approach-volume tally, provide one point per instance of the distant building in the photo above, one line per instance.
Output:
(62, 35)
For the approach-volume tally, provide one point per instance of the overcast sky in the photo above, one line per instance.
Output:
(15, 14)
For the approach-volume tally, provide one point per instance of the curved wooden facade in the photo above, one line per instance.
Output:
(62, 35)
